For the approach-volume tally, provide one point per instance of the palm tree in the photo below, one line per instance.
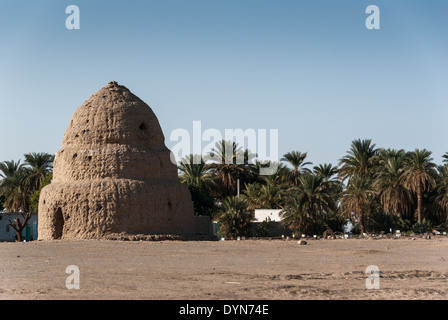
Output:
(16, 191)
(226, 165)
(234, 216)
(9, 168)
(357, 198)
(420, 175)
(13, 185)
(390, 182)
(252, 192)
(308, 203)
(280, 177)
(297, 160)
(281, 173)
(331, 183)
(327, 171)
(40, 164)
(271, 196)
(267, 196)
(359, 161)
(442, 188)
(195, 173)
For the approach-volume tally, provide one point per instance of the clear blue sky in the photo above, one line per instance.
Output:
(310, 69)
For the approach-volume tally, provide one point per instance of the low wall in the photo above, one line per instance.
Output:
(203, 225)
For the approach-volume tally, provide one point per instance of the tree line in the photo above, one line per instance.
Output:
(377, 189)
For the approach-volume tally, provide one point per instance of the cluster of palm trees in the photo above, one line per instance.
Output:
(20, 186)
(376, 188)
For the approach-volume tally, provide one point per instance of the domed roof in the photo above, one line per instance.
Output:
(114, 134)
(114, 115)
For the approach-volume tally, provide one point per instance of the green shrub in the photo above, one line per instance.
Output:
(203, 203)
(234, 217)
(263, 228)
(380, 221)
(442, 227)
(422, 227)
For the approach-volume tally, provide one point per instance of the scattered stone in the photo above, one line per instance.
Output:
(161, 237)
(302, 242)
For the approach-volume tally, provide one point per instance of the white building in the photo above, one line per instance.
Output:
(8, 233)
(263, 214)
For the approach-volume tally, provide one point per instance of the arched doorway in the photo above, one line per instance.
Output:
(58, 224)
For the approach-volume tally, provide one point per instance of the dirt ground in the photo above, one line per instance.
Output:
(226, 270)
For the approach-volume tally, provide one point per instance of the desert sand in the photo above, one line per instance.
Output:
(228, 270)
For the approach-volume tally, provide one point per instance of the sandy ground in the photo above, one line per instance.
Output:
(230, 270)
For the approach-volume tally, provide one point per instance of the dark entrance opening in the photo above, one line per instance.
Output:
(58, 224)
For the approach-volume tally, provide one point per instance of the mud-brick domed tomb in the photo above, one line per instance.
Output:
(114, 174)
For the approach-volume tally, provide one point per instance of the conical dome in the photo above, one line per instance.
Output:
(114, 174)
(119, 134)
(114, 115)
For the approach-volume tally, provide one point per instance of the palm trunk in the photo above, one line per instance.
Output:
(419, 202)
(362, 224)
(361, 219)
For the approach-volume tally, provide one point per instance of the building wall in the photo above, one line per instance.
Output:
(7, 233)
(273, 228)
(262, 214)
